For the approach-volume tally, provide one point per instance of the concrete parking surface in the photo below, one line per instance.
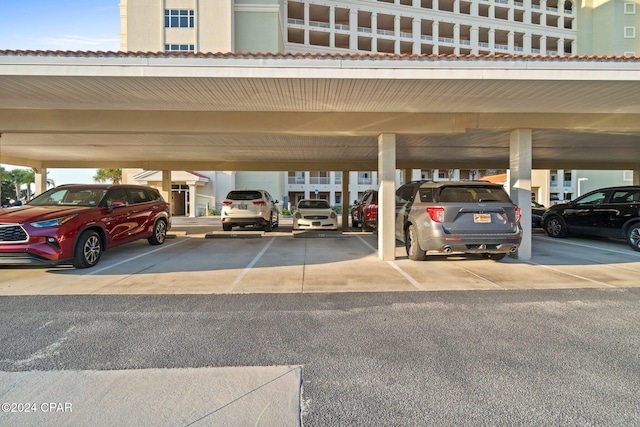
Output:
(201, 259)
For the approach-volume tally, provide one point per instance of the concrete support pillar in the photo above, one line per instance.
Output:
(492, 40)
(474, 36)
(416, 30)
(396, 35)
(332, 26)
(41, 181)
(520, 157)
(386, 196)
(435, 31)
(510, 40)
(374, 32)
(192, 200)
(526, 44)
(307, 6)
(166, 187)
(543, 45)
(407, 175)
(346, 197)
(353, 30)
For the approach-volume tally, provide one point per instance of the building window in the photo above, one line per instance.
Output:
(630, 8)
(338, 177)
(364, 178)
(178, 18)
(179, 48)
(318, 177)
(296, 177)
(629, 32)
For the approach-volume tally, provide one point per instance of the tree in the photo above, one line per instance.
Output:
(20, 177)
(113, 175)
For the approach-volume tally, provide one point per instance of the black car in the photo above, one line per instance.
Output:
(609, 212)
(537, 210)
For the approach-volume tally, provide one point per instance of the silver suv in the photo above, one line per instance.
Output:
(249, 207)
(456, 217)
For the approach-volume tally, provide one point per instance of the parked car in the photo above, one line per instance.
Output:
(314, 214)
(608, 212)
(537, 210)
(249, 207)
(470, 217)
(76, 223)
(365, 210)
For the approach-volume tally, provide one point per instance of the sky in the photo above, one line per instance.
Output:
(60, 25)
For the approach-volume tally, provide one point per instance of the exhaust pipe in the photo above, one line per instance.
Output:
(514, 248)
(447, 249)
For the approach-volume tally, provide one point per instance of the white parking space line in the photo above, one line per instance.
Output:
(480, 277)
(107, 267)
(250, 266)
(404, 274)
(576, 276)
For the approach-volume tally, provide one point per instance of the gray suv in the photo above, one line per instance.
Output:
(441, 218)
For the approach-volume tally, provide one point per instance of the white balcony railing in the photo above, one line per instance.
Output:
(364, 30)
(342, 27)
(445, 40)
(318, 24)
(427, 38)
(386, 33)
(406, 35)
(295, 21)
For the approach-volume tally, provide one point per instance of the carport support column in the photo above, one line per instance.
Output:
(192, 200)
(386, 196)
(41, 181)
(520, 158)
(345, 200)
(166, 187)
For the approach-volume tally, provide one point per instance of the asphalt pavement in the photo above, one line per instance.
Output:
(278, 329)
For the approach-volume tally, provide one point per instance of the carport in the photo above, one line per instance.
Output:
(268, 112)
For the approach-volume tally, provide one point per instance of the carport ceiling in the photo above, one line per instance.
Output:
(295, 112)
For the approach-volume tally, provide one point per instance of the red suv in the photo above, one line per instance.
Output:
(365, 210)
(76, 223)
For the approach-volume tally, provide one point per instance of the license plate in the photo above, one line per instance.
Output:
(315, 223)
(242, 207)
(482, 218)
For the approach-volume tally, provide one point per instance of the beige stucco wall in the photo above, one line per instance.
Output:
(213, 30)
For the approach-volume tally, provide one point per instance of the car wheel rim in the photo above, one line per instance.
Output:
(634, 237)
(553, 227)
(411, 242)
(92, 250)
(161, 231)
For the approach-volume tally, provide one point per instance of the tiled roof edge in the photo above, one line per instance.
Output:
(352, 56)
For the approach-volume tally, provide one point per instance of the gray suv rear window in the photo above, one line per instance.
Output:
(473, 194)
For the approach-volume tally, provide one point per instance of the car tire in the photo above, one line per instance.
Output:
(555, 226)
(354, 222)
(159, 233)
(268, 226)
(633, 237)
(88, 249)
(277, 223)
(227, 227)
(414, 252)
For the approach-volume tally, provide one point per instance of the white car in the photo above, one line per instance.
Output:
(314, 214)
(249, 207)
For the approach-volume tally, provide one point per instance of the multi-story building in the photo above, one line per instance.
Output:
(458, 27)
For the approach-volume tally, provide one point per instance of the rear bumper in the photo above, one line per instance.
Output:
(502, 243)
(243, 220)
